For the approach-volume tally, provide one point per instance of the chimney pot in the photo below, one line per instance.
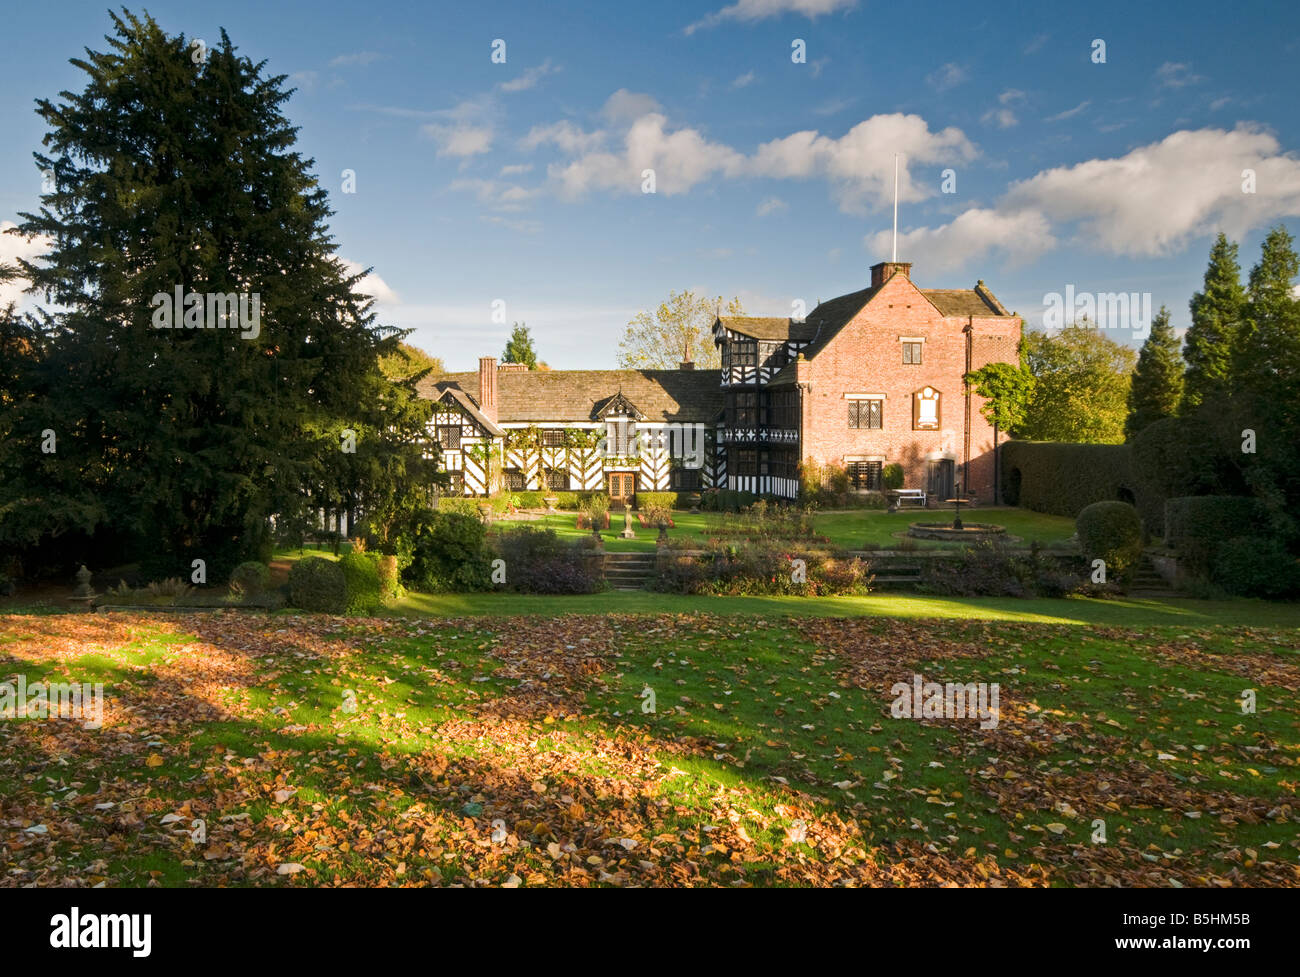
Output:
(881, 272)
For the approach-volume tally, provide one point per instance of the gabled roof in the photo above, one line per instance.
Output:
(471, 408)
(764, 327)
(977, 301)
(535, 396)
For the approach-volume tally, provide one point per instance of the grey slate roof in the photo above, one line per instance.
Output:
(534, 396)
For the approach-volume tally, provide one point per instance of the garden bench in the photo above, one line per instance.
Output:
(909, 496)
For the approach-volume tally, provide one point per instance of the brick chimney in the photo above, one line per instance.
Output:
(688, 364)
(487, 387)
(880, 272)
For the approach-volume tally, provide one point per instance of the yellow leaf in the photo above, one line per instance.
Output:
(154, 761)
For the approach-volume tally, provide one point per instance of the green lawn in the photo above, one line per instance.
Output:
(523, 751)
(850, 529)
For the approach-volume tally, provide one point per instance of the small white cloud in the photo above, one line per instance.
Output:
(529, 78)
(371, 284)
(1173, 74)
(1002, 118)
(970, 236)
(359, 58)
(1011, 96)
(497, 194)
(459, 140)
(752, 10)
(568, 137)
(515, 169)
(946, 76)
(625, 106)
(1069, 113)
(1036, 43)
(744, 80)
(771, 205)
(305, 81)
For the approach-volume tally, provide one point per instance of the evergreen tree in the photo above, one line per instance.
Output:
(1216, 318)
(173, 171)
(1157, 386)
(520, 348)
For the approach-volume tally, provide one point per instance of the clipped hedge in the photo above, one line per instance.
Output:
(1062, 479)
(1253, 566)
(1111, 531)
(1213, 518)
(661, 500)
(250, 579)
(318, 584)
(361, 579)
(459, 505)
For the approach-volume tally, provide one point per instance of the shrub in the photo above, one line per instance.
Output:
(531, 500)
(991, 568)
(661, 500)
(459, 505)
(758, 568)
(892, 476)
(656, 515)
(390, 577)
(448, 553)
(361, 579)
(1255, 566)
(249, 579)
(1062, 479)
(1213, 517)
(537, 561)
(725, 500)
(1111, 531)
(566, 500)
(318, 584)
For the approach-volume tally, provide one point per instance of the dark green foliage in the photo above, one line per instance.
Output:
(318, 584)
(448, 553)
(459, 505)
(1062, 478)
(519, 349)
(1081, 383)
(1111, 531)
(537, 561)
(1216, 318)
(725, 500)
(1008, 391)
(1214, 518)
(531, 499)
(1254, 566)
(250, 579)
(361, 576)
(184, 442)
(892, 476)
(1157, 384)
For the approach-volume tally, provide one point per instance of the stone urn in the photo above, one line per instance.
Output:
(485, 512)
(694, 499)
(82, 591)
(550, 502)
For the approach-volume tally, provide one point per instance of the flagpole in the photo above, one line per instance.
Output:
(895, 257)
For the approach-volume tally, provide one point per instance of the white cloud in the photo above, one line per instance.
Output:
(860, 164)
(1036, 43)
(946, 76)
(514, 169)
(1018, 236)
(498, 194)
(771, 205)
(565, 135)
(459, 140)
(1003, 118)
(625, 106)
(1153, 201)
(359, 58)
(1176, 75)
(13, 247)
(1069, 113)
(681, 159)
(371, 284)
(529, 78)
(743, 80)
(751, 10)
(1011, 96)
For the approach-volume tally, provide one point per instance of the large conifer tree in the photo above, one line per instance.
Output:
(1217, 313)
(173, 170)
(1158, 379)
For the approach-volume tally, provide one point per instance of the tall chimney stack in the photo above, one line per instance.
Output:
(880, 273)
(487, 387)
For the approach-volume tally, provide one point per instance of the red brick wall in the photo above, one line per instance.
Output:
(867, 357)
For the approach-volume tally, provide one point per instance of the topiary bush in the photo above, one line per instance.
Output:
(660, 500)
(448, 553)
(1255, 566)
(1111, 531)
(249, 579)
(318, 584)
(361, 577)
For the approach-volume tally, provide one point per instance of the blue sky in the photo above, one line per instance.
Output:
(521, 182)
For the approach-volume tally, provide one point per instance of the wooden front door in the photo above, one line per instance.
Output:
(939, 479)
(622, 486)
